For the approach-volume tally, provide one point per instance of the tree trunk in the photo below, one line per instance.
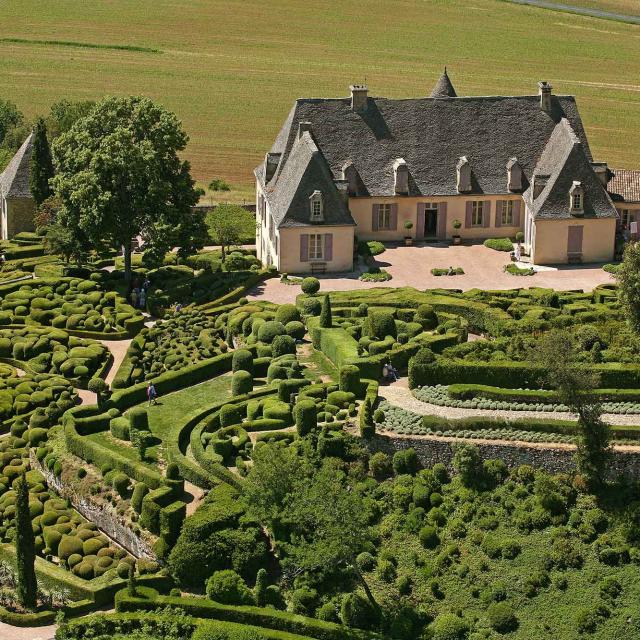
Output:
(223, 253)
(126, 248)
(365, 586)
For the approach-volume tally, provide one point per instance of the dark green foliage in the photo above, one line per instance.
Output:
(502, 617)
(426, 316)
(25, 547)
(295, 329)
(304, 601)
(41, 168)
(356, 611)
(405, 462)
(132, 588)
(380, 324)
(140, 490)
(468, 463)
(380, 466)
(305, 415)
(241, 383)
(228, 587)
(287, 313)
(269, 330)
(429, 537)
(310, 286)
(260, 589)
(326, 320)
(420, 367)
(230, 414)
(448, 626)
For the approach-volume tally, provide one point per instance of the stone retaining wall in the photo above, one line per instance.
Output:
(104, 516)
(551, 459)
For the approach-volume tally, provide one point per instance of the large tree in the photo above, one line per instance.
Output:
(628, 277)
(25, 547)
(41, 169)
(65, 113)
(574, 384)
(10, 117)
(229, 224)
(119, 175)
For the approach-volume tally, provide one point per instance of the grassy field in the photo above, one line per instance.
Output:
(231, 70)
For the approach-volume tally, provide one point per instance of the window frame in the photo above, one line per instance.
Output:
(477, 213)
(316, 200)
(625, 215)
(576, 201)
(384, 211)
(315, 247)
(506, 217)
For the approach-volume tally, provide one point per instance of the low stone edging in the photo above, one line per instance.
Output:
(551, 458)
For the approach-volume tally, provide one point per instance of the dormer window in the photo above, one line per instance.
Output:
(317, 206)
(514, 175)
(576, 198)
(464, 175)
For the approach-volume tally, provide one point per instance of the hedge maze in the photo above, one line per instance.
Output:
(291, 495)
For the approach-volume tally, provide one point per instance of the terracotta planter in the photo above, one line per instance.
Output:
(408, 241)
(456, 239)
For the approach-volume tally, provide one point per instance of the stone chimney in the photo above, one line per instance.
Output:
(544, 90)
(359, 94)
(463, 169)
(539, 183)
(602, 171)
(401, 176)
(302, 127)
(343, 190)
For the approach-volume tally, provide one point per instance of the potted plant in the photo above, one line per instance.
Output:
(456, 228)
(408, 238)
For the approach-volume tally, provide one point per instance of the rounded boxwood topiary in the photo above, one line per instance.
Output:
(241, 383)
(68, 546)
(310, 286)
(448, 626)
(350, 379)
(287, 313)
(139, 419)
(311, 307)
(91, 546)
(426, 316)
(429, 537)
(120, 483)
(502, 617)
(227, 587)
(269, 330)
(283, 345)
(295, 329)
(230, 415)
(139, 492)
(242, 361)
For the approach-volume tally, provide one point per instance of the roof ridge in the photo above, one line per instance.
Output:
(347, 100)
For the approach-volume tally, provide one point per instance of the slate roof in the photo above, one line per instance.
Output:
(444, 88)
(305, 172)
(564, 160)
(431, 134)
(14, 180)
(625, 185)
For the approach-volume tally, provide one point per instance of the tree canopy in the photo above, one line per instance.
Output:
(628, 277)
(119, 175)
(228, 224)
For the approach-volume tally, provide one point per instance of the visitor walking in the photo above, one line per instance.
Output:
(146, 284)
(518, 251)
(143, 298)
(134, 297)
(151, 393)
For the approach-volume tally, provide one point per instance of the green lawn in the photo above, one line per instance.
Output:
(231, 69)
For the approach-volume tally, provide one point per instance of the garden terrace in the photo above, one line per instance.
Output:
(72, 304)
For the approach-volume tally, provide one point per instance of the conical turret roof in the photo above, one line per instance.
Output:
(444, 88)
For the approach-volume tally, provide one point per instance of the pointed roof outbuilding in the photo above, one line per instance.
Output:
(14, 180)
(444, 88)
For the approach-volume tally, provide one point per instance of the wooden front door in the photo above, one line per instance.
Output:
(574, 242)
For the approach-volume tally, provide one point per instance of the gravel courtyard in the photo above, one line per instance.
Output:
(411, 266)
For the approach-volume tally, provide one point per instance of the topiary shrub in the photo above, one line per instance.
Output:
(140, 490)
(283, 345)
(241, 383)
(420, 367)
(405, 462)
(428, 537)
(311, 307)
(230, 415)
(350, 379)
(310, 286)
(120, 483)
(426, 317)
(242, 361)
(380, 324)
(228, 587)
(68, 546)
(138, 419)
(380, 466)
(287, 313)
(295, 329)
(305, 416)
(269, 330)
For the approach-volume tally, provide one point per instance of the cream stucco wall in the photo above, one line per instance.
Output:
(19, 215)
(289, 258)
(549, 245)
(361, 210)
(632, 207)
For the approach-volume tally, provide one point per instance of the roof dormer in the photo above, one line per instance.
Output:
(401, 177)
(350, 175)
(316, 207)
(514, 175)
(464, 175)
(576, 199)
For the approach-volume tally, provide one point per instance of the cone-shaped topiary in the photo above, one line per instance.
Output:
(326, 320)
(25, 547)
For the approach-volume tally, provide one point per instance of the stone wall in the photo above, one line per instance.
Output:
(103, 515)
(552, 459)
(20, 213)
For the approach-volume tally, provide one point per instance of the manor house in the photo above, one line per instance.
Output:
(432, 168)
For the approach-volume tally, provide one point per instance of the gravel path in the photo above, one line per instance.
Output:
(398, 395)
(7, 632)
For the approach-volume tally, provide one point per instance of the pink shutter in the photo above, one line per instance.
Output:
(304, 247)
(516, 213)
(486, 213)
(442, 220)
(420, 221)
(499, 209)
(468, 222)
(375, 215)
(393, 218)
(328, 247)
